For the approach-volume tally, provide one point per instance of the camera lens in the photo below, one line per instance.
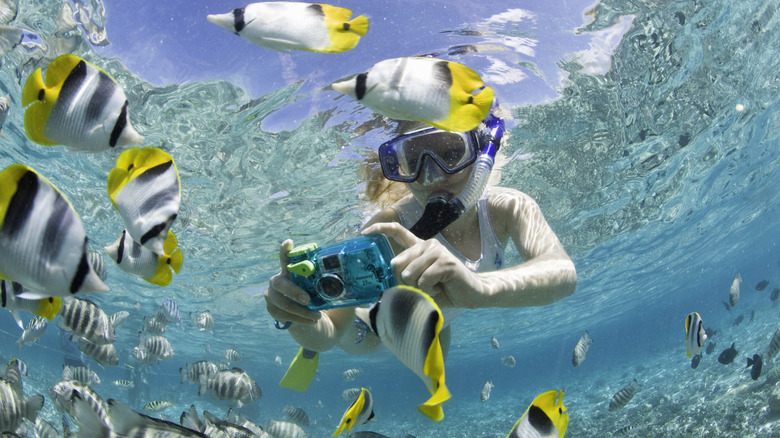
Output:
(330, 286)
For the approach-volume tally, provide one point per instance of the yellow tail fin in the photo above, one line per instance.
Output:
(177, 259)
(49, 307)
(358, 25)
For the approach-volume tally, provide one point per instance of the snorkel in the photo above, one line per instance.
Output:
(440, 211)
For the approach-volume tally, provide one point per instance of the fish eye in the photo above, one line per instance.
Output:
(560, 411)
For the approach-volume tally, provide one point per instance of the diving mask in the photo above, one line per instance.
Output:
(403, 158)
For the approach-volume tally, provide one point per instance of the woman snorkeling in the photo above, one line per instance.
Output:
(448, 233)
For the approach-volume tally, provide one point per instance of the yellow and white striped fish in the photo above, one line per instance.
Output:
(9, 300)
(287, 26)
(443, 94)
(408, 322)
(146, 191)
(135, 259)
(79, 105)
(360, 412)
(695, 335)
(546, 417)
(43, 245)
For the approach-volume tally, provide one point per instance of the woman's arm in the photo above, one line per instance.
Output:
(547, 273)
(546, 276)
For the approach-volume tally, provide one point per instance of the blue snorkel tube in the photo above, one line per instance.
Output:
(440, 211)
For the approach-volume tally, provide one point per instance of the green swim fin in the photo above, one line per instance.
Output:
(301, 371)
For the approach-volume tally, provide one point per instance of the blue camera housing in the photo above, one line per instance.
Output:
(347, 273)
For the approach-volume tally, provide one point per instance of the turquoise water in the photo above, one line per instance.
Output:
(659, 185)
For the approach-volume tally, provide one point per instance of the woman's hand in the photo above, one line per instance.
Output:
(284, 299)
(429, 266)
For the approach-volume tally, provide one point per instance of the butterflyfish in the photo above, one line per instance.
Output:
(361, 411)
(46, 307)
(408, 322)
(546, 417)
(443, 94)
(135, 259)
(146, 191)
(695, 335)
(285, 26)
(78, 105)
(43, 245)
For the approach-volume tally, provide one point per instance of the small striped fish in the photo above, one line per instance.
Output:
(623, 396)
(158, 405)
(85, 319)
(581, 349)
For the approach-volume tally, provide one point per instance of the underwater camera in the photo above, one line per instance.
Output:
(343, 274)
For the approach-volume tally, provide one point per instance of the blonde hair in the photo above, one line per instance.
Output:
(379, 190)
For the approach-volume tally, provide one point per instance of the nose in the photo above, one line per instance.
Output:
(431, 173)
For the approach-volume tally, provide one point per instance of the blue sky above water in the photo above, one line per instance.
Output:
(166, 42)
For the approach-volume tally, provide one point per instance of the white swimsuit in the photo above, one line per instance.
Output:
(492, 255)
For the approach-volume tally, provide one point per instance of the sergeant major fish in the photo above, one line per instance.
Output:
(581, 349)
(158, 405)
(508, 361)
(443, 94)
(233, 384)
(296, 415)
(204, 321)
(145, 189)
(79, 106)
(13, 406)
(43, 244)
(774, 345)
(734, 290)
(80, 374)
(351, 374)
(287, 26)
(233, 355)
(33, 331)
(191, 372)
(622, 397)
(485, 393)
(85, 319)
(105, 355)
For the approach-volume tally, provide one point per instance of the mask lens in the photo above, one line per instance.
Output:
(402, 158)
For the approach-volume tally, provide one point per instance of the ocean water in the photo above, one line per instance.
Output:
(647, 132)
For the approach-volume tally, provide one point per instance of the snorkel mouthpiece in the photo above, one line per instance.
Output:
(441, 211)
(437, 215)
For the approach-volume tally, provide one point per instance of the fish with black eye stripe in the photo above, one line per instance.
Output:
(79, 106)
(545, 417)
